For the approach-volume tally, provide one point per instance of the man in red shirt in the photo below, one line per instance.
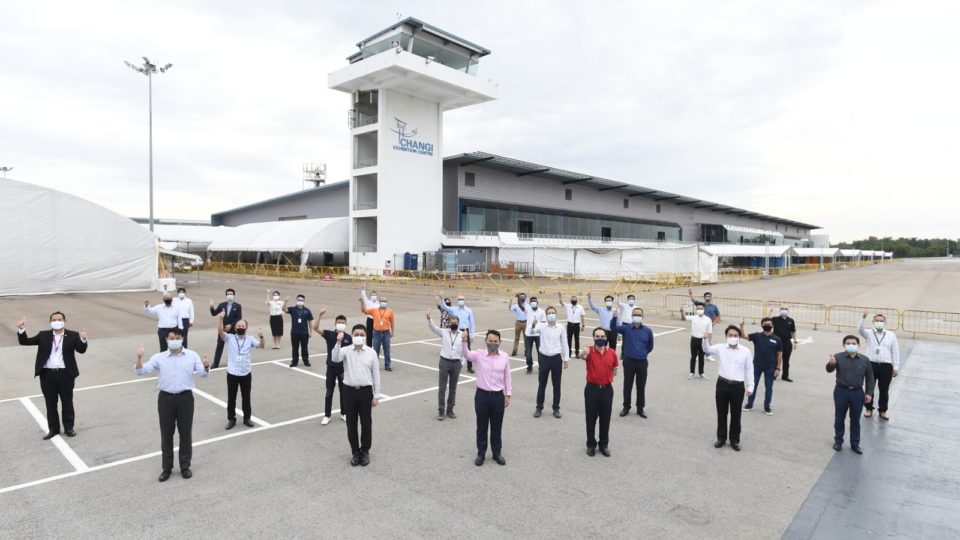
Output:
(602, 367)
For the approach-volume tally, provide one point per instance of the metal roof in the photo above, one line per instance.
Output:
(443, 34)
(343, 184)
(524, 168)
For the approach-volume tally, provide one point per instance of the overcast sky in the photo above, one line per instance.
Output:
(841, 114)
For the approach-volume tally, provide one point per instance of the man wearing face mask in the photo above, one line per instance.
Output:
(736, 370)
(369, 302)
(853, 370)
(300, 317)
(605, 314)
(554, 353)
(56, 365)
(574, 320)
(700, 325)
(361, 391)
(885, 357)
(520, 324)
(602, 367)
(175, 368)
(384, 326)
(187, 314)
(239, 374)
(451, 361)
(494, 388)
(767, 361)
(786, 329)
(531, 333)
(232, 312)
(710, 309)
(334, 375)
(637, 346)
(168, 317)
(467, 320)
(276, 308)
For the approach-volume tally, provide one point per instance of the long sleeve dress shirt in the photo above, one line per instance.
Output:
(449, 341)
(167, 316)
(736, 364)
(882, 346)
(553, 341)
(360, 367)
(492, 371)
(174, 371)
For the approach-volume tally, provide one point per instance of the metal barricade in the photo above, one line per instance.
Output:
(800, 312)
(850, 316)
(938, 323)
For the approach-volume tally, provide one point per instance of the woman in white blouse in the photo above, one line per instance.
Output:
(276, 307)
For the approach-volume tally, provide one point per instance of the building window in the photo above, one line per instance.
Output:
(568, 194)
(661, 236)
(470, 179)
(658, 208)
(626, 203)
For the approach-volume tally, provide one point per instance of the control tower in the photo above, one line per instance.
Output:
(401, 81)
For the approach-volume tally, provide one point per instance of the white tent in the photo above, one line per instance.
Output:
(647, 261)
(824, 253)
(57, 243)
(851, 253)
(748, 250)
(304, 235)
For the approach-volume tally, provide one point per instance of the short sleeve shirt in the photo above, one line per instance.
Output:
(330, 337)
(765, 349)
(382, 318)
(300, 318)
(600, 366)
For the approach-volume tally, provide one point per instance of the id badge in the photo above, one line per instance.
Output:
(299, 321)
(878, 352)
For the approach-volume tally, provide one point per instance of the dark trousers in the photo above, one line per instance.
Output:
(449, 375)
(217, 354)
(186, 330)
(635, 371)
(369, 332)
(242, 382)
(489, 407)
(550, 367)
(844, 400)
(598, 403)
(529, 344)
(381, 341)
(176, 413)
(729, 400)
(357, 402)
(696, 353)
(334, 379)
(162, 335)
(787, 351)
(611, 338)
(298, 343)
(768, 374)
(57, 384)
(884, 375)
(573, 337)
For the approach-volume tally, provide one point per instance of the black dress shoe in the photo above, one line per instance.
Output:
(837, 446)
(355, 460)
(479, 461)
(591, 452)
(529, 370)
(307, 364)
(388, 368)
(500, 460)
(719, 444)
(230, 424)
(641, 414)
(364, 459)
(293, 364)
(556, 413)
(248, 423)
(605, 451)
(624, 411)
(469, 367)
(537, 413)
(857, 449)
(735, 446)
(186, 473)
(49, 436)
(71, 433)
(786, 379)
(164, 476)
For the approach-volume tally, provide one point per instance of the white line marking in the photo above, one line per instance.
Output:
(414, 364)
(223, 404)
(282, 364)
(57, 441)
(669, 332)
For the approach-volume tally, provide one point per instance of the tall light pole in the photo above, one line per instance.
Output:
(149, 69)
(6, 169)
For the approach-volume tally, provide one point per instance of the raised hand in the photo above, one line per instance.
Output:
(140, 351)
(22, 323)
(832, 360)
(206, 362)
(865, 313)
(428, 313)
(83, 334)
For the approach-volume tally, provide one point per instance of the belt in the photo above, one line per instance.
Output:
(845, 387)
(449, 359)
(54, 369)
(635, 359)
(176, 393)
(599, 385)
(728, 381)
(492, 392)
(357, 387)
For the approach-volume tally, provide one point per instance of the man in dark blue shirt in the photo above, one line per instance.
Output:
(637, 345)
(767, 361)
(334, 369)
(300, 331)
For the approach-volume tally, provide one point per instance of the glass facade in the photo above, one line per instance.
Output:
(485, 216)
(720, 234)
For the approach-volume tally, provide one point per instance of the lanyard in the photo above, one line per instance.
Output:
(879, 340)
(453, 340)
(57, 343)
(240, 343)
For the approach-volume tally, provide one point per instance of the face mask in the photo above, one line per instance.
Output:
(733, 341)
(460, 303)
(229, 298)
(373, 298)
(174, 344)
(637, 319)
(341, 327)
(631, 302)
(522, 299)
(182, 295)
(492, 347)
(168, 301)
(56, 325)
(601, 342)
(453, 327)
(706, 300)
(767, 328)
(383, 304)
(699, 312)
(447, 302)
(609, 304)
(359, 340)
(552, 317)
(573, 302)
(533, 304)
(300, 303)
(276, 297)
(241, 331)
(879, 325)
(851, 347)
(784, 312)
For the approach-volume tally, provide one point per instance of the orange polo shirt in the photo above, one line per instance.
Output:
(382, 318)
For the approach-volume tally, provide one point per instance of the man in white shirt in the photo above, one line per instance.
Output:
(451, 362)
(700, 325)
(575, 315)
(187, 314)
(884, 354)
(372, 301)
(239, 373)
(168, 317)
(554, 351)
(531, 334)
(361, 391)
(735, 379)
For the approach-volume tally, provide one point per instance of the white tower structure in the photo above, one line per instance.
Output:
(401, 81)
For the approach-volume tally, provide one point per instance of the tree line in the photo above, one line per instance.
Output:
(905, 247)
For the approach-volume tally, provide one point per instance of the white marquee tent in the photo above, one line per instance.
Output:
(304, 236)
(641, 260)
(58, 243)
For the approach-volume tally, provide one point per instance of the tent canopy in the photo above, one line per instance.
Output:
(817, 252)
(850, 252)
(747, 250)
(304, 235)
(193, 234)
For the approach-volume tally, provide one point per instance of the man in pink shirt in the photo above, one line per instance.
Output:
(493, 393)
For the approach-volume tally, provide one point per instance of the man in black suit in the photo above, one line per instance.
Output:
(232, 313)
(56, 365)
